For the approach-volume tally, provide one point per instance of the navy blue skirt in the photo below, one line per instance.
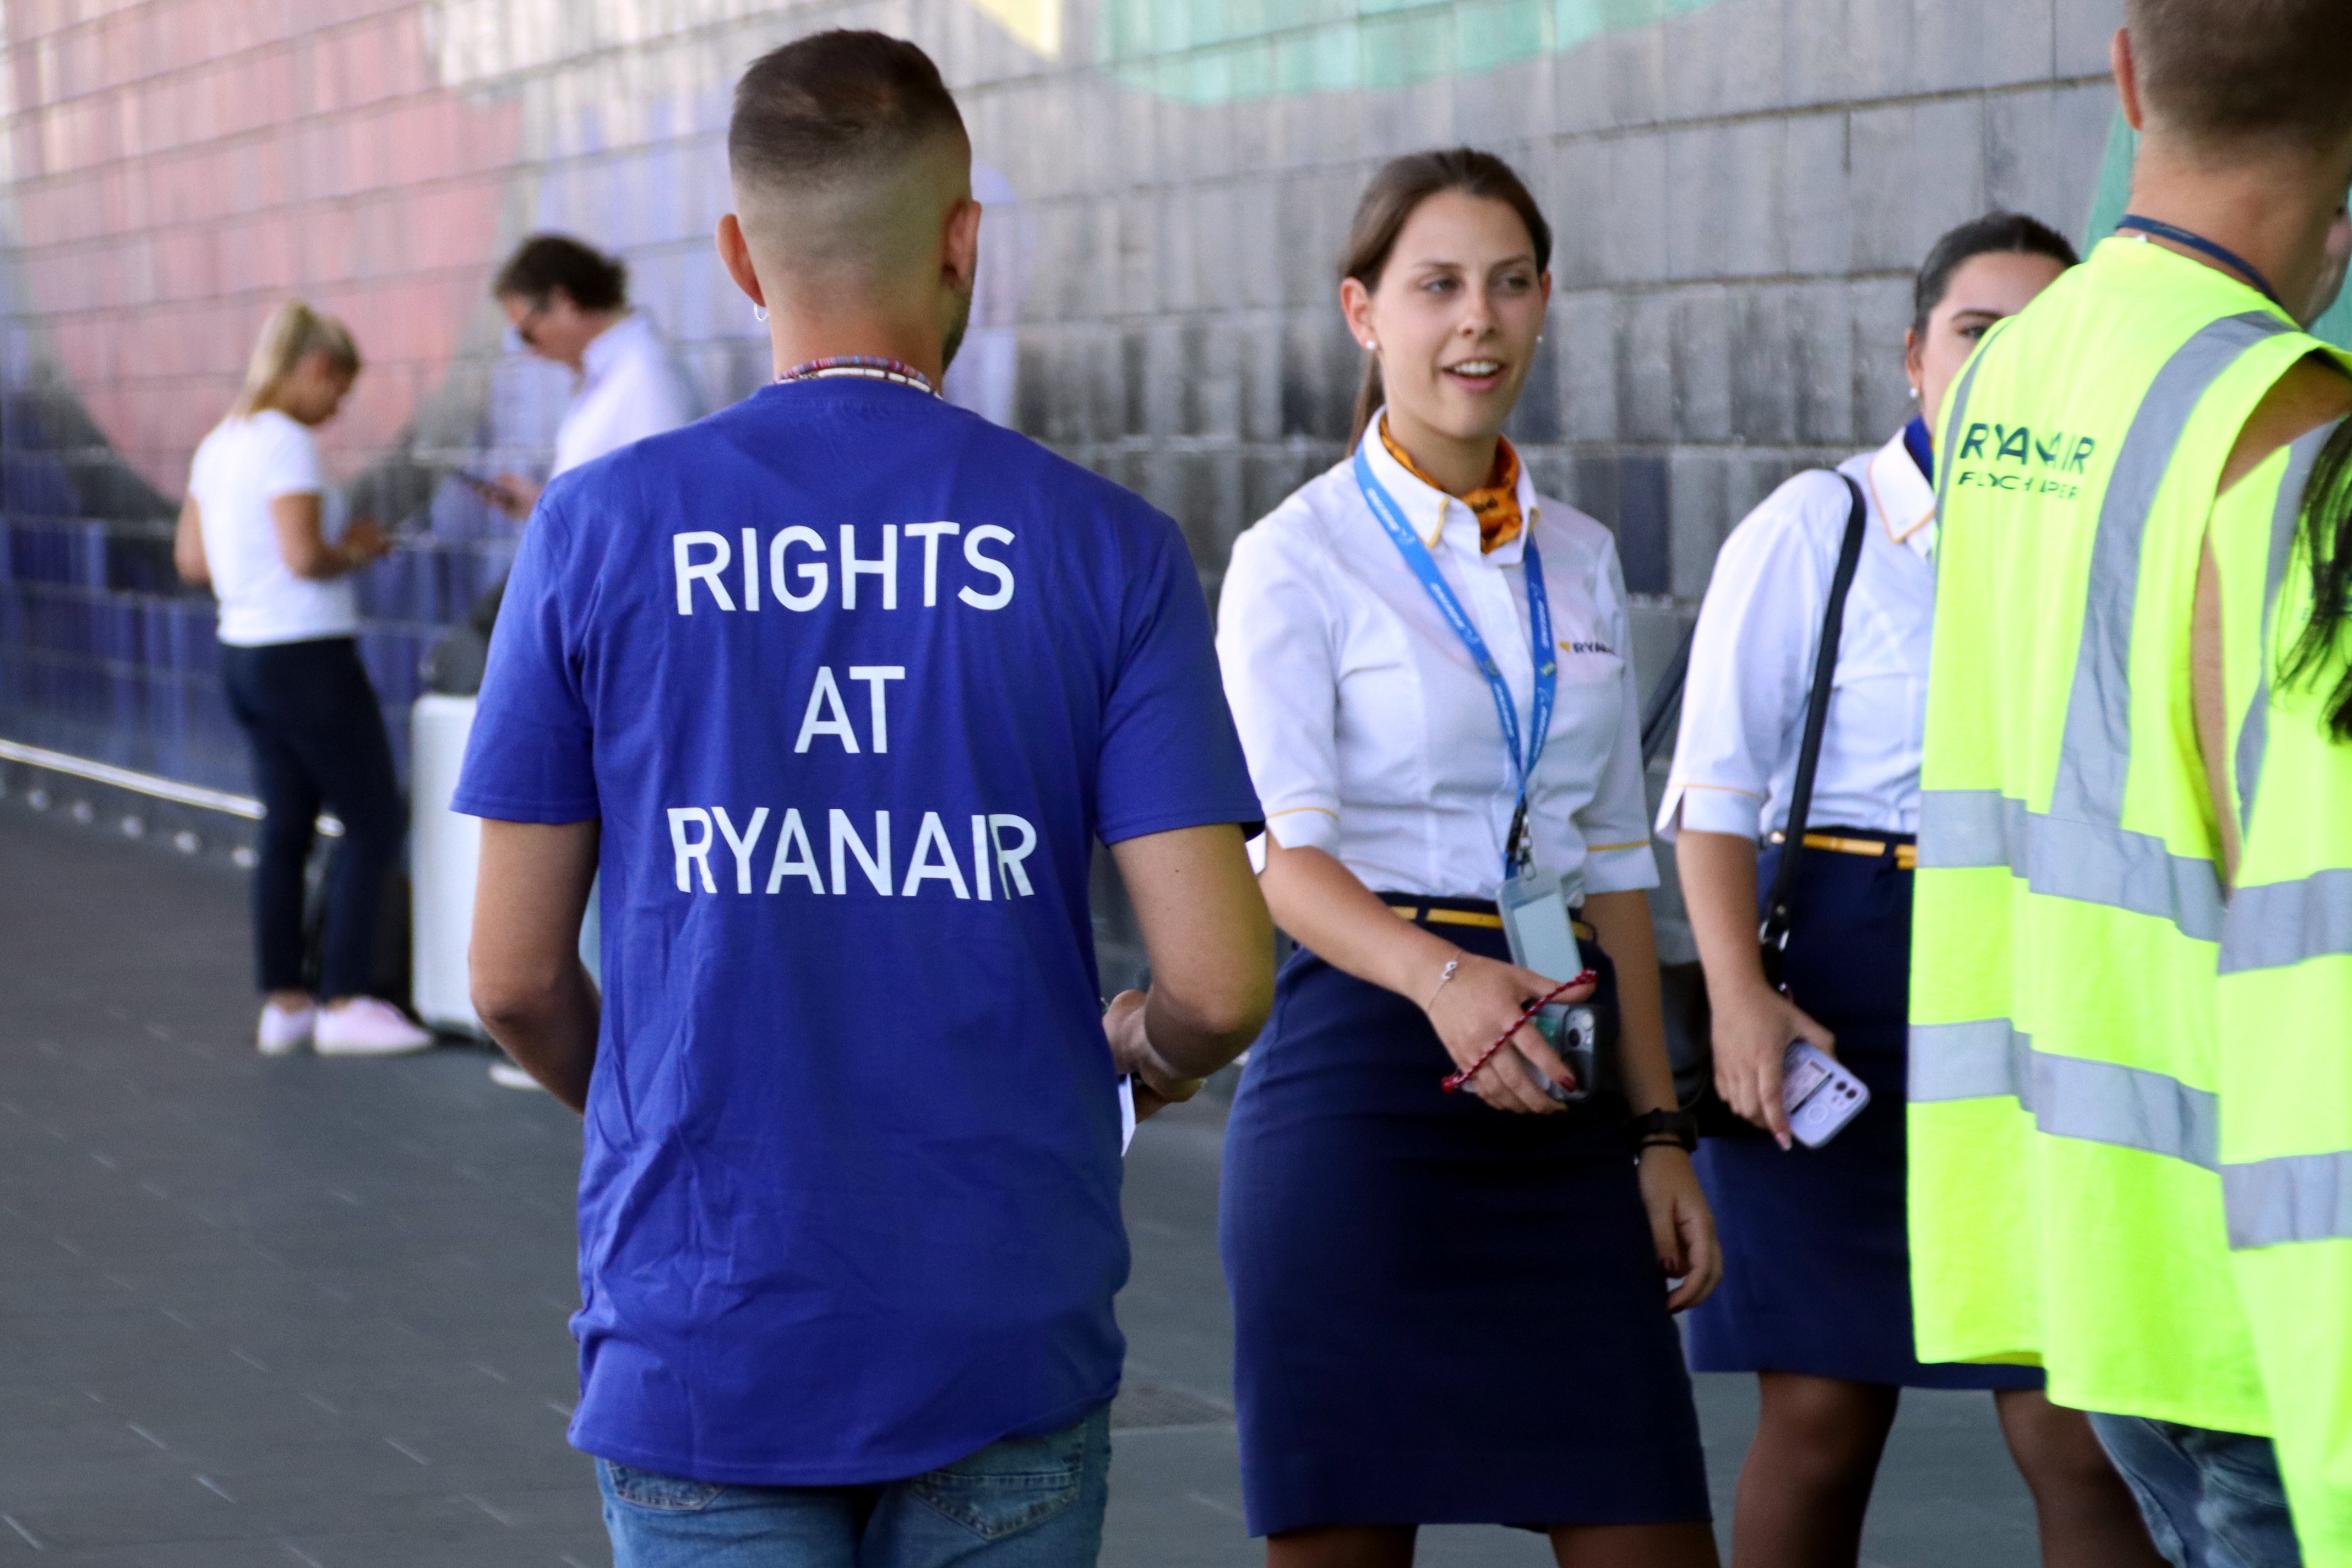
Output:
(1816, 1255)
(1443, 1313)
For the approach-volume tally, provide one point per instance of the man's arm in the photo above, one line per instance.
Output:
(1210, 943)
(529, 987)
(2310, 395)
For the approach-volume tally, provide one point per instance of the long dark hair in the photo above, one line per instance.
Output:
(1995, 234)
(2326, 528)
(1390, 199)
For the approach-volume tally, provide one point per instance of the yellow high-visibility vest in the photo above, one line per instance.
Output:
(2284, 1046)
(2065, 1200)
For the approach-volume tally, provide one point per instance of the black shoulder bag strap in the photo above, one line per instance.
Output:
(1774, 933)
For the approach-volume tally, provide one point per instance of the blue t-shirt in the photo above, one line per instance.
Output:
(855, 681)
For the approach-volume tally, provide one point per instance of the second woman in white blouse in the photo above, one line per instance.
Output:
(1450, 1307)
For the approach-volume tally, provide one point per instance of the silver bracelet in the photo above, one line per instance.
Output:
(1451, 966)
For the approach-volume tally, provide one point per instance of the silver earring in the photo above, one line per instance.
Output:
(760, 314)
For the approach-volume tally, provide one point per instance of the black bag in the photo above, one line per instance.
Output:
(1690, 1022)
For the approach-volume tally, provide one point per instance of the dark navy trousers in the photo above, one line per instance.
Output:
(317, 740)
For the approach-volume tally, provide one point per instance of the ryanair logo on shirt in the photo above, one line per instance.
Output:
(2023, 460)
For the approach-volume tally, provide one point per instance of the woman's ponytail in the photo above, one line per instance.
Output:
(292, 334)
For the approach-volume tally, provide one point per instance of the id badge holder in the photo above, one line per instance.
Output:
(1535, 918)
(1535, 923)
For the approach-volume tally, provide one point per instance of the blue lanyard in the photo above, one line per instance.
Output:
(1516, 855)
(2203, 247)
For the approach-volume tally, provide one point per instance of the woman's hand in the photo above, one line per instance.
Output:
(1681, 1224)
(1471, 1011)
(1753, 1028)
(363, 542)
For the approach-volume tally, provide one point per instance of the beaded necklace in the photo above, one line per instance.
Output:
(868, 367)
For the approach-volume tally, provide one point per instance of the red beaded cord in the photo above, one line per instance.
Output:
(1456, 1080)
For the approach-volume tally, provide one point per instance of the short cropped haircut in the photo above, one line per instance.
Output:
(2227, 70)
(546, 262)
(834, 106)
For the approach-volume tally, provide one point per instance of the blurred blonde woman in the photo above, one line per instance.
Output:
(254, 529)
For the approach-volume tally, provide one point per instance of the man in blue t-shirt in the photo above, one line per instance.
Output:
(841, 686)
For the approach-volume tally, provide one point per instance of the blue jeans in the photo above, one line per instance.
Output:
(2211, 1500)
(1029, 1503)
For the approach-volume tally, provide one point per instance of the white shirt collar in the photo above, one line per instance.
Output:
(607, 348)
(1439, 518)
(1906, 500)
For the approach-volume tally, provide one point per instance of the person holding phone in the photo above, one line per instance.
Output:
(1816, 1298)
(569, 304)
(1452, 1306)
(254, 529)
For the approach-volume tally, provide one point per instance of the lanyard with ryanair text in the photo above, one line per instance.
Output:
(1517, 857)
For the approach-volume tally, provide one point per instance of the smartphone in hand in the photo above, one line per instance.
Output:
(1819, 1095)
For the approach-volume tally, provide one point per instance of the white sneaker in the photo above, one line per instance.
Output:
(283, 1033)
(506, 1075)
(365, 1026)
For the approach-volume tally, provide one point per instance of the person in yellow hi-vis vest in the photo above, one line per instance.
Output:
(2283, 710)
(2066, 1194)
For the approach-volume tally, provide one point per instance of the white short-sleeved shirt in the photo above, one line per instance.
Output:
(629, 389)
(1372, 736)
(1751, 665)
(242, 467)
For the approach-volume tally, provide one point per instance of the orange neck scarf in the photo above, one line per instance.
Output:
(1495, 503)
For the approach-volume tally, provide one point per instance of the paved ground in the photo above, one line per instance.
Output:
(278, 1312)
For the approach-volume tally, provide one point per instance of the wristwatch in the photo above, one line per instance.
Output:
(1679, 1128)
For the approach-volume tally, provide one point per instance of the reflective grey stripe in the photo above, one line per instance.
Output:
(1976, 1060)
(1956, 404)
(2302, 1197)
(2254, 736)
(2096, 753)
(2070, 1096)
(2276, 925)
(2092, 862)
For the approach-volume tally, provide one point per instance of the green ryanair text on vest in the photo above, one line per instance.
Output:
(2042, 459)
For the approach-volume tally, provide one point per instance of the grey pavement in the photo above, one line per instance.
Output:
(301, 1312)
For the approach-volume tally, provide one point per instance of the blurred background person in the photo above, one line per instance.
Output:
(253, 527)
(1451, 1308)
(569, 303)
(1817, 1292)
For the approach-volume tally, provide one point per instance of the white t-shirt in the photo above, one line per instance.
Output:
(242, 466)
(629, 389)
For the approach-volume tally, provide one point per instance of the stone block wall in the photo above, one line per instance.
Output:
(1740, 189)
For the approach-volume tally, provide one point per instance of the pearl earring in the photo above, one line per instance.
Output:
(1914, 394)
(760, 314)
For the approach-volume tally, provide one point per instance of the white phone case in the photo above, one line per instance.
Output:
(1819, 1095)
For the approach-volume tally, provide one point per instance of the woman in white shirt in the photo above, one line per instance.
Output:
(1816, 1295)
(253, 527)
(1451, 1307)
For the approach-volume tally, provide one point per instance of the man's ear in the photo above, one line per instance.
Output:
(2119, 56)
(735, 254)
(960, 258)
